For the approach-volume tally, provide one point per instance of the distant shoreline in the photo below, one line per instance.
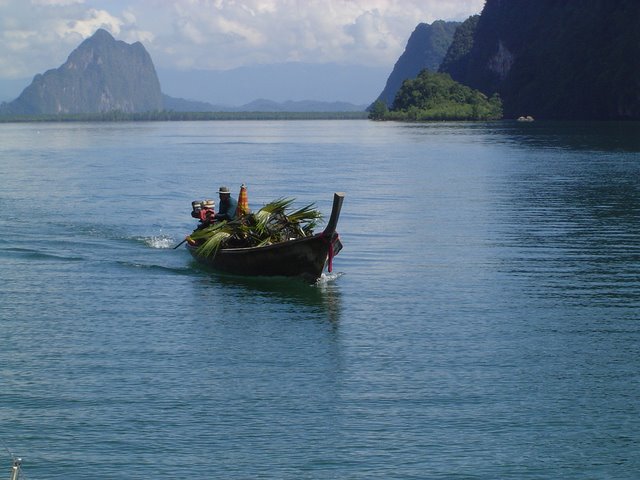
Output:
(167, 116)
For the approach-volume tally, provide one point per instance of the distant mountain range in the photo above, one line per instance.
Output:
(104, 74)
(280, 83)
(260, 105)
(262, 81)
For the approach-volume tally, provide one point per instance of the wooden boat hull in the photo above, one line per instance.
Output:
(303, 257)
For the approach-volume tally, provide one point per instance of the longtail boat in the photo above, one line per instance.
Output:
(304, 257)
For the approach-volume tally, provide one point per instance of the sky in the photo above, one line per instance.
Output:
(37, 35)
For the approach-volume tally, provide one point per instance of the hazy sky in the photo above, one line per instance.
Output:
(219, 34)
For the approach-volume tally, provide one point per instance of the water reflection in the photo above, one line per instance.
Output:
(572, 220)
(598, 136)
(323, 298)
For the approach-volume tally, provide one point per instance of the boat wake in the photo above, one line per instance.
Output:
(40, 255)
(179, 270)
(327, 278)
(158, 241)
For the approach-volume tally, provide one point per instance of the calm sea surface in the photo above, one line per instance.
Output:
(482, 321)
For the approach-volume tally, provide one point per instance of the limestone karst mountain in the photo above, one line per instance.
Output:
(101, 75)
(425, 48)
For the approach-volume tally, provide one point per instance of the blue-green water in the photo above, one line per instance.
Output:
(481, 322)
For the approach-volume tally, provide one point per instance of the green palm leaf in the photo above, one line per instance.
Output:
(267, 213)
(270, 224)
(307, 217)
(211, 246)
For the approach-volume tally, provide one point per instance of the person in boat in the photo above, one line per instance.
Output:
(227, 207)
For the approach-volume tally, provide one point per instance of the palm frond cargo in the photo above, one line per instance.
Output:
(270, 242)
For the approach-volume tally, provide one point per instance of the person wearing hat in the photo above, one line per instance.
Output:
(227, 207)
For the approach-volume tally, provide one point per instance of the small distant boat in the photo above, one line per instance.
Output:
(528, 118)
(304, 257)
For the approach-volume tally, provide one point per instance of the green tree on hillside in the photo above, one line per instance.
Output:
(378, 110)
(457, 56)
(435, 96)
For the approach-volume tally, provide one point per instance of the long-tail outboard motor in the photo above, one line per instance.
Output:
(196, 208)
(203, 211)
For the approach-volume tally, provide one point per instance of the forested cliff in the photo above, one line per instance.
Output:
(554, 59)
(426, 48)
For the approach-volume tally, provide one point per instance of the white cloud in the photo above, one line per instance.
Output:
(52, 3)
(92, 21)
(220, 34)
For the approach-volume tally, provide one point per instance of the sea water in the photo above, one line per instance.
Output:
(482, 320)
